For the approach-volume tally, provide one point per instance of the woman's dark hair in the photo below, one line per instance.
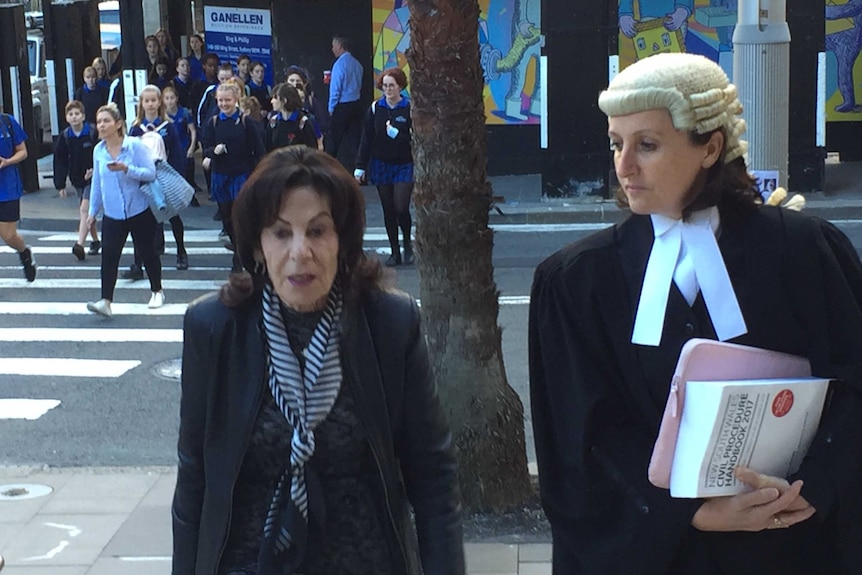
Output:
(726, 185)
(259, 203)
(289, 96)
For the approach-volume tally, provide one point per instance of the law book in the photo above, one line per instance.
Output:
(766, 425)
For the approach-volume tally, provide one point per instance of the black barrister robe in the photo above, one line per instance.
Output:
(597, 399)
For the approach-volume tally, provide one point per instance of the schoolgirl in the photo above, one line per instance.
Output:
(385, 152)
(185, 124)
(196, 57)
(231, 149)
(288, 125)
(153, 118)
(257, 86)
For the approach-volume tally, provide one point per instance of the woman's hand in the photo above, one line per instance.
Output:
(118, 167)
(766, 508)
(62, 193)
(88, 175)
(757, 480)
(219, 149)
(90, 221)
(190, 153)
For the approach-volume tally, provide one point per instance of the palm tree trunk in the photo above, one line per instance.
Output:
(459, 296)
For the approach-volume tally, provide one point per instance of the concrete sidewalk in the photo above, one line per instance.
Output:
(117, 521)
(523, 202)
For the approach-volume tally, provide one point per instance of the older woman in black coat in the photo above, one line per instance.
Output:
(310, 420)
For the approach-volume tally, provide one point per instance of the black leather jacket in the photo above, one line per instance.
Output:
(384, 355)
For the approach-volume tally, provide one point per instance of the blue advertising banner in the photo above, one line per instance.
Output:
(232, 32)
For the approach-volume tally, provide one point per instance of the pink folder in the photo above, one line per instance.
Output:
(709, 360)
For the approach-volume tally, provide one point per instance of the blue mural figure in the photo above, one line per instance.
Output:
(525, 34)
(725, 33)
(675, 14)
(846, 46)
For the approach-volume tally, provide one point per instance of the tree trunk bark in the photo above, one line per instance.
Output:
(459, 297)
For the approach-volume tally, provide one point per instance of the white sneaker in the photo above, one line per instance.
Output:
(101, 307)
(157, 300)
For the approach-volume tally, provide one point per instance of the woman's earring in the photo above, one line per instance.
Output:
(259, 267)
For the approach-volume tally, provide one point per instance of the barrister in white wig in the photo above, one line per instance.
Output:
(699, 256)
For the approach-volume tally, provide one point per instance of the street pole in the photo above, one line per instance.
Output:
(761, 72)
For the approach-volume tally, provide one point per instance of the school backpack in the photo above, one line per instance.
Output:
(155, 144)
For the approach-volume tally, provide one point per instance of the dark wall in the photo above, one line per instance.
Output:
(577, 44)
(806, 161)
(302, 34)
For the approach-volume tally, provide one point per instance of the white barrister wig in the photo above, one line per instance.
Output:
(694, 89)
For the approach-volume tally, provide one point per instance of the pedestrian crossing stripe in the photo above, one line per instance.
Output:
(30, 409)
(193, 236)
(57, 308)
(90, 335)
(129, 250)
(80, 308)
(66, 367)
(95, 284)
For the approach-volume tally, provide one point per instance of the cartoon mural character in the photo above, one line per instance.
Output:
(525, 47)
(674, 13)
(508, 100)
(846, 45)
(727, 9)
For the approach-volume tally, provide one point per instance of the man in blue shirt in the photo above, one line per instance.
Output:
(13, 151)
(345, 109)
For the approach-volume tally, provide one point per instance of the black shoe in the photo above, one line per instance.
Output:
(95, 247)
(134, 273)
(28, 262)
(394, 260)
(182, 261)
(195, 203)
(409, 258)
(78, 250)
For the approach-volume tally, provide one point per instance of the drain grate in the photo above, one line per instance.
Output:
(20, 491)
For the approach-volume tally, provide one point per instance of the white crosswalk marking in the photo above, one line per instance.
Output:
(50, 339)
(66, 367)
(26, 408)
(51, 342)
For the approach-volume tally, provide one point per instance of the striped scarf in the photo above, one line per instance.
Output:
(305, 399)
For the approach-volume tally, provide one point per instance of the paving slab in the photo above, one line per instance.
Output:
(56, 540)
(491, 558)
(146, 533)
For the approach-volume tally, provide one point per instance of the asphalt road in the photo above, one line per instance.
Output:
(91, 387)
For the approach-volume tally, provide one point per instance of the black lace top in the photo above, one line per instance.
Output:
(352, 542)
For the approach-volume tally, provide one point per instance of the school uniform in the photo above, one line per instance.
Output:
(244, 150)
(597, 399)
(11, 187)
(295, 129)
(186, 91)
(263, 93)
(73, 156)
(385, 146)
(92, 100)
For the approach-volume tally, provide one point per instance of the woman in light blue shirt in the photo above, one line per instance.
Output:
(120, 166)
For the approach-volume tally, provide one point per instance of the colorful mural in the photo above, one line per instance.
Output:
(843, 65)
(704, 27)
(509, 40)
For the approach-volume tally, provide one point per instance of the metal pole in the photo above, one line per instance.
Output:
(761, 72)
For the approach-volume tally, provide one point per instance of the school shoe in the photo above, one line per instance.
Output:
(28, 262)
(134, 273)
(157, 300)
(101, 307)
(394, 260)
(95, 247)
(195, 203)
(182, 261)
(78, 250)
(409, 258)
